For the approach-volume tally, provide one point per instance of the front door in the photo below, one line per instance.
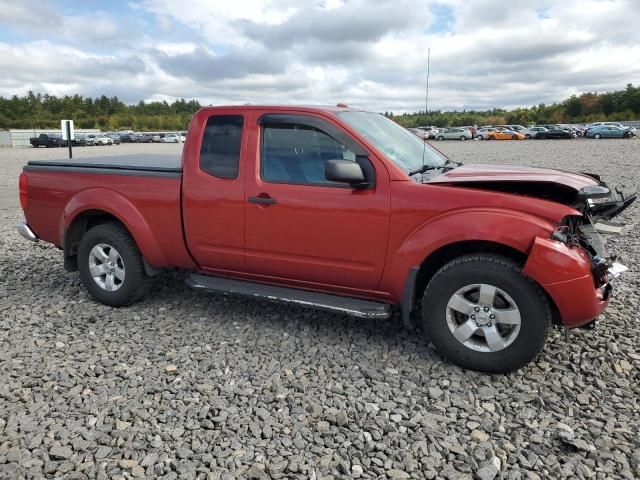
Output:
(300, 226)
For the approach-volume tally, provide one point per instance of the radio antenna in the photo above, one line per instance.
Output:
(426, 103)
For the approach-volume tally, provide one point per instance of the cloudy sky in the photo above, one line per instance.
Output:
(368, 53)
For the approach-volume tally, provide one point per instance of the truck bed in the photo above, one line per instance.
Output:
(140, 164)
(142, 191)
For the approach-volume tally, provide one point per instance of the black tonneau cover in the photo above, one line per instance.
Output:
(140, 162)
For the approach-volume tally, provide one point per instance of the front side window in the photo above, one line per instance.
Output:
(221, 142)
(296, 153)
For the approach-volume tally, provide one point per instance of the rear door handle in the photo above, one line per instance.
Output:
(262, 200)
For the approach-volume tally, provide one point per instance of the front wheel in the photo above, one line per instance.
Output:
(462, 137)
(597, 136)
(440, 137)
(527, 136)
(481, 313)
(111, 266)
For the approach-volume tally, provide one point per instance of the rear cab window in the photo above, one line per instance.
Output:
(221, 144)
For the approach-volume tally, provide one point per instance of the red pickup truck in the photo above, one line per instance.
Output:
(342, 210)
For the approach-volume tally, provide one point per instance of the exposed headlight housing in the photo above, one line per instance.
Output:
(594, 191)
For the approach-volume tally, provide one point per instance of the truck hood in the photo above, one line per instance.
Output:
(582, 191)
(492, 173)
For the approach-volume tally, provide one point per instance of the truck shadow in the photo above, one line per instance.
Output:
(379, 339)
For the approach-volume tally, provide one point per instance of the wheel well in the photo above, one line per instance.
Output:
(443, 255)
(72, 236)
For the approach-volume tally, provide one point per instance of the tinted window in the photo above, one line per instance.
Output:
(220, 149)
(294, 153)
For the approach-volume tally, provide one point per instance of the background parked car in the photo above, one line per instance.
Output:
(454, 134)
(427, 132)
(532, 132)
(484, 132)
(47, 140)
(115, 138)
(143, 138)
(504, 134)
(608, 131)
(101, 140)
(79, 140)
(128, 138)
(172, 139)
(554, 132)
(569, 128)
(513, 128)
(156, 138)
(632, 130)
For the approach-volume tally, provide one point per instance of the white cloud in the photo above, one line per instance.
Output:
(366, 53)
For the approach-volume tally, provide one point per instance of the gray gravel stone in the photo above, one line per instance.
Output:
(268, 391)
(60, 452)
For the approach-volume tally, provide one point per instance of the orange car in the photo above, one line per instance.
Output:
(505, 135)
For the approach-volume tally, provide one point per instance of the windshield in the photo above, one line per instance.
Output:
(400, 145)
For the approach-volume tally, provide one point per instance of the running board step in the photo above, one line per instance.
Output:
(322, 301)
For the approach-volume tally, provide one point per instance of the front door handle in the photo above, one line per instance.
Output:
(262, 200)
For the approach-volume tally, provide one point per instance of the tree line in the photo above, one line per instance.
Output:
(110, 113)
(588, 107)
(107, 113)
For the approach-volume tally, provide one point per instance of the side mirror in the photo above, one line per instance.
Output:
(345, 171)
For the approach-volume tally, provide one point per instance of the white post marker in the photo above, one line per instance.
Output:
(68, 133)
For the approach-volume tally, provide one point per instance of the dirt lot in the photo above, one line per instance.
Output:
(187, 385)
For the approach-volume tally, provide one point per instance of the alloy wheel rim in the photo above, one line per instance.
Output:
(483, 318)
(106, 267)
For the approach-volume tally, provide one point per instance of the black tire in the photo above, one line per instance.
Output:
(135, 285)
(440, 138)
(514, 137)
(479, 137)
(462, 137)
(527, 137)
(506, 275)
(597, 136)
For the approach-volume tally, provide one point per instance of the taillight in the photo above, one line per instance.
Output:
(22, 188)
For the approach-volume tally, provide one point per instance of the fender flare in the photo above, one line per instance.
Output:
(117, 205)
(512, 228)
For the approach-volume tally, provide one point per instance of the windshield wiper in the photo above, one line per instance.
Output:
(448, 165)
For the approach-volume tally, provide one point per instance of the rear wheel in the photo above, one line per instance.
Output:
(111, 266)
(462, 137)
(481, 313)
(440, 137)
(480, 137)
(597, 136)
(527, 136)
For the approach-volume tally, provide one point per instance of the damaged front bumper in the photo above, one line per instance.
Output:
(566, 273)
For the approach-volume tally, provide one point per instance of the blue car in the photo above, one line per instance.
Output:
(608, 131)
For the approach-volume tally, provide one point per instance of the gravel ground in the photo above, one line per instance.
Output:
(187, 385)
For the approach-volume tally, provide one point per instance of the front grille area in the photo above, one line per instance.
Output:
(593, 240)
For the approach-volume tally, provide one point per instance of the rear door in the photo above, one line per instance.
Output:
(300, 226)
(213, 192)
